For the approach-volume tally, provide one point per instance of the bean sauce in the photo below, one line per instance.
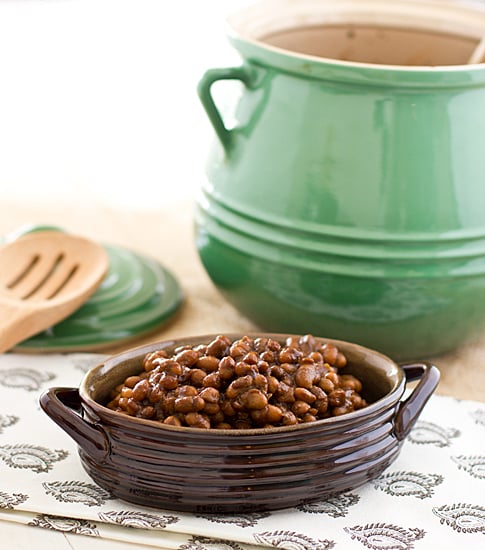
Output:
(241, 384)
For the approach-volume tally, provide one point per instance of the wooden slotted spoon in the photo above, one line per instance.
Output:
(44, 277)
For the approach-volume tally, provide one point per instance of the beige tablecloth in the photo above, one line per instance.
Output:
(166, 233)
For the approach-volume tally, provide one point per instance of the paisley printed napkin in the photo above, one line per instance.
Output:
(433, 496)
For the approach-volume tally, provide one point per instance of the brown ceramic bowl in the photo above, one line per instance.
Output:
(197, 470)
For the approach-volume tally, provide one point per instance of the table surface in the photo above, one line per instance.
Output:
(166, 233)
(101, 138)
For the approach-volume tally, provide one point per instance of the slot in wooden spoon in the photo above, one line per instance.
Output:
(44, 277)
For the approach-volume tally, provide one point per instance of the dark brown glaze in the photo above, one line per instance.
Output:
(234, 471)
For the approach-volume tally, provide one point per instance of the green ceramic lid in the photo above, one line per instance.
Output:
(137, 295)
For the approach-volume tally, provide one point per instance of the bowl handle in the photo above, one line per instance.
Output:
(224, 134)
(63, 406)
(410, 409)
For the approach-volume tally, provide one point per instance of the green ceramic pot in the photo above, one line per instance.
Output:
(348, 200)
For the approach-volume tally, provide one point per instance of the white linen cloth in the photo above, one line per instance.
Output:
(432, 496)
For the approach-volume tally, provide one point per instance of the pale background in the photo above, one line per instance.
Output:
(98, 97)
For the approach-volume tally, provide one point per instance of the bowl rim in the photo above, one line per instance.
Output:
(119, 419)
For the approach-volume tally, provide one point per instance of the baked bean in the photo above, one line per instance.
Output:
(228, 409)
(123, 402)
(151, 358)
(212, 380)
(304, 395)
(357, 401)
(326, 385)
(305, 376)
(126, 392)
(226, 368)
(147, 412)
(197, 420)
(189, 404)
(273, 414)
(318, 392)
(217, 418)
(344, 409)
(336, 398)
(218, 347)
(240, 347)
(261, 382)
(288, 419)
(210, 395)
(263, 367)
(306, 343)
(273, 384)
(140, 391)
(197, 377)
(285, 393)
(341, 360)
(333, 377)
(155, 394)
(316, 356)
(288, 380)
(187, 357)
(289, 368)
(254, 399)
(322, 405)
(240, 384)
(251, 358)
(208, 363)
(173, 421)
(242, 369)
(289, 355)
(349, 382)
(131, 381)
(238, 352)
(330, 353)
(260, 345)
(211, 409)
(170, 366)
(268, 356)
(277, 371)
(167, 403)
(258, 416)
(300, 408)
(273, 345)
(186, 391)
(132, 405)
(168, 382)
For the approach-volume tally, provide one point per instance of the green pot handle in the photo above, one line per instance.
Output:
(225, 135)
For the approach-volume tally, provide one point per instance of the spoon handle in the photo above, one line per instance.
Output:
(19, 323)
(13, 327)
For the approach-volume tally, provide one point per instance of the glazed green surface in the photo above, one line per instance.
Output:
(407, 319)
(348, 201)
